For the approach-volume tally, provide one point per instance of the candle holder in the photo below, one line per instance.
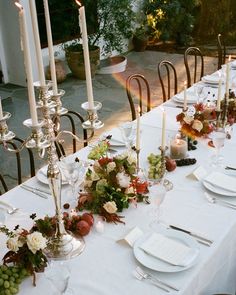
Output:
(92, 122)
(5, 133)
(167, 184)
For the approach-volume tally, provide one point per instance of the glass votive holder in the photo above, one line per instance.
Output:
(178, 147)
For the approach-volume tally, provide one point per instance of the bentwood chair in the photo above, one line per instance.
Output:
(194, 65)
(167, 73)
(137, 88)
(3, 186)
(221, 50)
(72, 121)
(24, 163)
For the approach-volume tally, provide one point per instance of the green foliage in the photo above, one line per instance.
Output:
(171, 19)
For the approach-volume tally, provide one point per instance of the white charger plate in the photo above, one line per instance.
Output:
(156, 264)
(218, 190)
(41, 176)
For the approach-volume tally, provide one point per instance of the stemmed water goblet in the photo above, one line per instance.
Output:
(58, 274)
(73, 171)
(128, 134)
(218, 138)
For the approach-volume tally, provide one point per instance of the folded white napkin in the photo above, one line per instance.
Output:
(169, 250)
(222, 181)
(191, 96)
(211, 79)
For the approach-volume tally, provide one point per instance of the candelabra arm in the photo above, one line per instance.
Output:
(61, 133)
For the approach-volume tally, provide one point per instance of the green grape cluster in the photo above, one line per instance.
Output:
(154, 171)
(10, 279)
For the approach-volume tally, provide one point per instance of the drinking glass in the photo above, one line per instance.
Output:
(74, 173)
(58, 273)
(128, 133)
(218, 139)
(157, 193)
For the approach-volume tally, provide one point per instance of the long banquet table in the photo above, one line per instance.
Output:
(106, 267)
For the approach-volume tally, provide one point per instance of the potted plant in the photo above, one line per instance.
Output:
(114, 25)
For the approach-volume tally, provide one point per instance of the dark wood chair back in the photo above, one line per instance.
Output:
(221, 50)
(137, 88)
(75, 120)
(196, 71)
(3, 186)
(167, 73)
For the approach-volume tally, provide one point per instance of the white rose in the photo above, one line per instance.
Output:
(94, 176)
(132, 159)
(188, 119)
(110, 207)
(13, 244)
(96, 166)
(123, 179)
(36, 241)
(111, 166)
(121, 156)
(88, 183)
(197, 125)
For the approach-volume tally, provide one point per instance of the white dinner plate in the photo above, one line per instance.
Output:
(218, 190)
(41, 176)
(157, 264)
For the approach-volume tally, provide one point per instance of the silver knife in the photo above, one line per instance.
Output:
(36, 189)
(199, 238)
(42, 195)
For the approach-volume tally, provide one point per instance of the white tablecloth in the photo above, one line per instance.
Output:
(105, 267)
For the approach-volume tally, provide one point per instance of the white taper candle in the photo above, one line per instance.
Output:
(1, 112)
(219, 96)
(37, 42)
(138, 130)
(50, 48)
(83, 27)
(28, 65)
(163, 138)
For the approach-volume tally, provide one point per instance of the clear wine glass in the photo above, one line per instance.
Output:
(218, 138)
(73, 172)
(58, 274)
(128, 133)
(157, 193)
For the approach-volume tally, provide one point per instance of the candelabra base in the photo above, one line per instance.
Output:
(64, 247)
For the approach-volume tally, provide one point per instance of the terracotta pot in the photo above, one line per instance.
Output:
(60, 71)
(75, 61)
(140, 44)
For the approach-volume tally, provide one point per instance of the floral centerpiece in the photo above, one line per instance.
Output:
(197, 120)
(25, 250)
(111, 184)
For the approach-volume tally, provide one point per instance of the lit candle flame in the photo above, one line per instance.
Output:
(19, 5)
(229, 58)
(139, 110)
(78, 3)
(185, 83)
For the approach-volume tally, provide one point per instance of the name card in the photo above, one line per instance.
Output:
(131, 237)
(198, 174)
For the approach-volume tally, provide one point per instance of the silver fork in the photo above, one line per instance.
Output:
(147, 275)
(155, 283)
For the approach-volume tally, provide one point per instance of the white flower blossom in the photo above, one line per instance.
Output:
(36, 241)
(94, 176)
(13, 244)
(123, 179)
(197, 125)
(110, 207)
(111, 166)
(88, 183)
(96, 166)
(130, 190)
(188, 119)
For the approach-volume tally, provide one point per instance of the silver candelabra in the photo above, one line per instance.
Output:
(63, 245)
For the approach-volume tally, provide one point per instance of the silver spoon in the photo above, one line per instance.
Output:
(214, 200)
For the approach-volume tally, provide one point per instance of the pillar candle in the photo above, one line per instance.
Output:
(219, 96)
(50, 48)
(163, 138)
(185, 96)
(178, 148)
(37, 42)
(1, 113)
(28, 65)
(83, 27)
(138, 130)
